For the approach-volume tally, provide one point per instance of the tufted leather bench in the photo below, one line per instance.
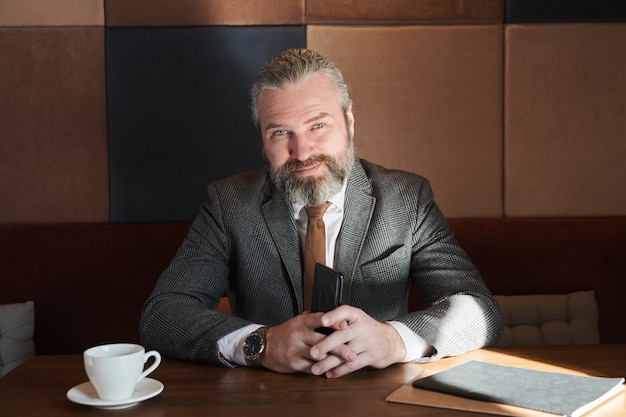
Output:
(549, 319)
(17, 326)
(89, 281)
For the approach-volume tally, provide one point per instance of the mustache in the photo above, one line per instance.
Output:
(293, 166)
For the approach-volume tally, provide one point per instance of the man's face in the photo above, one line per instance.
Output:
(307, 139)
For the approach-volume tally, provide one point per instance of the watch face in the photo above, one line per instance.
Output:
(253, 346)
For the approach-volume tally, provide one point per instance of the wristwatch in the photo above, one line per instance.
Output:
(254, 346)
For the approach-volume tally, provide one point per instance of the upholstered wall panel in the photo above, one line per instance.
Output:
(179, 113)
(565, 130)
(203, 12)
(535, 11)
(403, 11)
(427, 99)
(51, 12)
(53, 147)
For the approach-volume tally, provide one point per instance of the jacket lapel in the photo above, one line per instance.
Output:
(282, 227)
(358, 209)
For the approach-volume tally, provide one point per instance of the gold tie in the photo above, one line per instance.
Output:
(314, 249)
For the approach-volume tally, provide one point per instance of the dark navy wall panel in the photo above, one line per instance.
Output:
(545, 11)
(178, 113)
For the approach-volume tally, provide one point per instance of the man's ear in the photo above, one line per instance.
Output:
(350, 119)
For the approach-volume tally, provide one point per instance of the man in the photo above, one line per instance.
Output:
(383, 233)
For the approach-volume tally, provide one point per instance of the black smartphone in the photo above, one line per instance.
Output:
(327, 289)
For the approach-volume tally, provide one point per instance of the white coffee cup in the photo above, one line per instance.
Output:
(115, 369)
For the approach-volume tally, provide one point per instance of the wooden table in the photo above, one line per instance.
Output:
(38, 387)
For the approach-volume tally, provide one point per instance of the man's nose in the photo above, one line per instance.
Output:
(300, 147)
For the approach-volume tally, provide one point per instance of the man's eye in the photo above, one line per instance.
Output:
(319, 125)
(279, 133)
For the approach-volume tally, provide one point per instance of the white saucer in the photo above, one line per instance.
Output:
(85, 394)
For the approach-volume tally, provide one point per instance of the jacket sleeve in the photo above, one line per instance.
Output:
(179, 319)
(460, 313)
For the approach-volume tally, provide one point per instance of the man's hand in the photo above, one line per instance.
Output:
(288, 345)
(358, 341)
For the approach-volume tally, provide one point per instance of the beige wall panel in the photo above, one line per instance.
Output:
(53, 152)
(51, 13)
(203, 12)
(403, 11)
(565, 127)
(427, 99)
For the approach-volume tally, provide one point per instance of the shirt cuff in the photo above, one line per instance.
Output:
(231, 345)
(415, 345)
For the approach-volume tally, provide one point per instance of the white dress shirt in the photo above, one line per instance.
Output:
(231, 345)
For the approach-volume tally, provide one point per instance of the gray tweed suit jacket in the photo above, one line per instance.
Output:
(244, 242)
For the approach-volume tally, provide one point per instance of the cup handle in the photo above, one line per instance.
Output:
(157, 361)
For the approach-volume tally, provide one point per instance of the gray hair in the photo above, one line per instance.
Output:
(296, 66)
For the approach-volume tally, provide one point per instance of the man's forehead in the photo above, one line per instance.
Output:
(304, 102)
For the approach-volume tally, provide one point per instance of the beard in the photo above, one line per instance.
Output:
(314, 191)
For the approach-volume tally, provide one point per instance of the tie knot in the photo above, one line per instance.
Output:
(316, 212)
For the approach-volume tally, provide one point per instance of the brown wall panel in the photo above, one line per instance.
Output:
(51, 12)
(53, 152)
(427, 99)
(565, 128)
(403, 11)
(203, 12)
